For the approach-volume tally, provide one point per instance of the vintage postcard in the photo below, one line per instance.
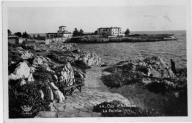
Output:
(69, 60)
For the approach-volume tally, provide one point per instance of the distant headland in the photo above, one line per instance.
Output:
(101, 35)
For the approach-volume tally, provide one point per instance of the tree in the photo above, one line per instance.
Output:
(18, 34)
(38, 36)
(81, 32)
(95, 32)
(127, 32)
(25, 35)
(76, 32)
(9, 32)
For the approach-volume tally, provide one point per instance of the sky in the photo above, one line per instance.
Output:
(154, 17)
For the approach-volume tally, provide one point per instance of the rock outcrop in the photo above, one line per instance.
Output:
(148, 70)
(46, 75)
(56, 46)
(22, 71)
(25, 54)
(40, 60)
(66, 74)
(90, 59)
(43, 62)
(58, 95)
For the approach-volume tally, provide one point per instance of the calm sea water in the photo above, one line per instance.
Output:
(114, 52)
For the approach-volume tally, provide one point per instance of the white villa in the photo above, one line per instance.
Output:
(61, 33)
(109, 31)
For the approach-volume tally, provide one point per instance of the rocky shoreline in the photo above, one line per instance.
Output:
(130, 38)
(38, 78)
(49, 81)
(38, 82)
(151, 83)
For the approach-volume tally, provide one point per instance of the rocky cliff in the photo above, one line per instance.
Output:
(47, 73)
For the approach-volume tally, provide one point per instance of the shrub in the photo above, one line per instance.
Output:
(26, 95)
(113, 80)
(157, 87)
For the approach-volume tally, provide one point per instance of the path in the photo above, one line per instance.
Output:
(93, 79)
(80, 104)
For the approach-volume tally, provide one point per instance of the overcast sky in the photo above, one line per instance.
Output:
(136, 18)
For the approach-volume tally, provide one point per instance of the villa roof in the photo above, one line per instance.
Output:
(108, 27)
(62, 26)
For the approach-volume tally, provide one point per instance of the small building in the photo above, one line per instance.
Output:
(65, 34)
(62, 29)
(61, 33)
(109, 31)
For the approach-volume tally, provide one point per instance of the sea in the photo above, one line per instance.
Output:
(112, 53)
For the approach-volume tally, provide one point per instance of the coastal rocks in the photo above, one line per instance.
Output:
(58, 95)
(90, 59)
(50, 78)
(47, 88)
(22, 71)
(40, 60)
(66, 74)
(75, 56)
(159, 66)
(43, 62)
(148, 70)
(79, 75)
(62, 46)
(56, 46)
(25, 54)
(63, 57)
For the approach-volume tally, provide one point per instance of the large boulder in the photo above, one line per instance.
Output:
(47, 88)
(66, 74)
(43, 62)
(22, 71)
(58, 95)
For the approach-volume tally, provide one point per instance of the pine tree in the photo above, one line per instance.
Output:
(127, 32)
